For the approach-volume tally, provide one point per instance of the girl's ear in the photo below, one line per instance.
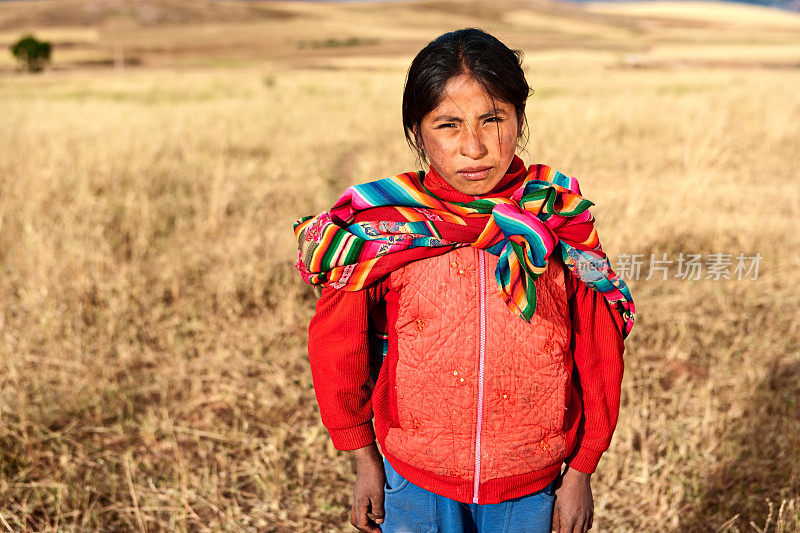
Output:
(418, 136)
(520, 121)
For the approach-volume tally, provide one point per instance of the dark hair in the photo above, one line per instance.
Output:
(468, 51)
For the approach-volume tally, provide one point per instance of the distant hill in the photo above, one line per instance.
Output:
(134, 13)
(324, 34)
(791, 5)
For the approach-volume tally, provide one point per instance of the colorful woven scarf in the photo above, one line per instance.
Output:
(400, 221)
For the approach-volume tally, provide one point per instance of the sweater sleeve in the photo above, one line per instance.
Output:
(339, 354)
(598, 345)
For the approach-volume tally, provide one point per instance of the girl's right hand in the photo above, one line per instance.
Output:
(368, 512)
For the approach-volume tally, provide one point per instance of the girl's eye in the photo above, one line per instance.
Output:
(494, 119)
(446, 125)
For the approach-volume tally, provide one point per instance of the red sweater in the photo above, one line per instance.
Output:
(339, 353)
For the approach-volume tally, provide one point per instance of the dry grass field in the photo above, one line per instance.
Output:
(153, 374)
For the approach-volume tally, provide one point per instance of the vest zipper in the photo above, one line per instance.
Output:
(482, 269)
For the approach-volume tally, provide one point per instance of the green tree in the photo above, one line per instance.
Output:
(32, 52)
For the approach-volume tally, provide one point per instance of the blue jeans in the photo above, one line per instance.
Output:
(410, 508)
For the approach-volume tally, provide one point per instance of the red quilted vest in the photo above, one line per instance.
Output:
(477, 394)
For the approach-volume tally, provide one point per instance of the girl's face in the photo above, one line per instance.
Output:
(468, 140)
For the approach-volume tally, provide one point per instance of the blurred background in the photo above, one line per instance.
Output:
(155, 153)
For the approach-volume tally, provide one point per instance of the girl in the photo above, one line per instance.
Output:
(471, 311)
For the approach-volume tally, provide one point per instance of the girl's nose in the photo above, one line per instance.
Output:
(472, 144)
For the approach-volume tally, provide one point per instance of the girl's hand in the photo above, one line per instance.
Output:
(368, 510)
(574, 505)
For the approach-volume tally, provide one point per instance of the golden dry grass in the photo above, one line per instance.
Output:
(153, 373)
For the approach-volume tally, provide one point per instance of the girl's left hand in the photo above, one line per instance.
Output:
(574, 506)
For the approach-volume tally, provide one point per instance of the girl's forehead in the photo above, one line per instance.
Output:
(464, 92)
(465, 85)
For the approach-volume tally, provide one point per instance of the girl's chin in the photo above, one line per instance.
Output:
(476, 187)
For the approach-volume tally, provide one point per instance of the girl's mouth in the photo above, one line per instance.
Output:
(474, 174)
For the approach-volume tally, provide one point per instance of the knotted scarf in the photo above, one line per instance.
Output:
(400, 220)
